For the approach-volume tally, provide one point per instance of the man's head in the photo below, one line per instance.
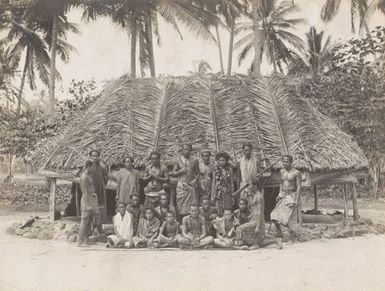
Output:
(164, 200)
(206, 156)
(194, 211)
(242, 204)
(94, 155)
(155, 159)
(222, 159)
(128, 162)
(149, 213)
(122, 208)
(205, 202)
(247, 150)
(227, 214)
(287, 161)
(170, 217)
(135, 200)
(186, 150)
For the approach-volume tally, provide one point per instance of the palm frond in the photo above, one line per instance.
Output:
(330, 9)
(139, 116)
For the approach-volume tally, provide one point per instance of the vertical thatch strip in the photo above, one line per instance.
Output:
(188, 116)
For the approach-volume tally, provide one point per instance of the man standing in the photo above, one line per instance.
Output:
(194, 233)
(89, 204)
(205, 175)
(99, 176)
(127, 179)
(185, 171)
(285, 212)
(248, 166)
(155, 179)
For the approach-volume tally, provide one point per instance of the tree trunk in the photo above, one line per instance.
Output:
(219, 49)
(52, 68)
(151, 42)
(141, 49)
(231, 47)
(133, 48)
(257, 39)
(20, 97)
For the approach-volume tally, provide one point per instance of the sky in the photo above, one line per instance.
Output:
(103, 50)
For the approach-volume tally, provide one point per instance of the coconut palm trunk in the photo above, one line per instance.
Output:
(151, 45)
(231, 47)
(52, 69)
(257, 38)
(20, 97)
(219, 44)
(134, 32)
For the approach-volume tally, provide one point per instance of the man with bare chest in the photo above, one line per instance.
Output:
(205, 177)
(285, 212)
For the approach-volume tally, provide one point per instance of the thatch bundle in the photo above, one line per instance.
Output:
(139, 116)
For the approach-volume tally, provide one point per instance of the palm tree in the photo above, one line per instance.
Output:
(140, 20)
(358, 10)
(273, 29)
(316, 56)
(8, 69)
(23, 39)
(48, 16)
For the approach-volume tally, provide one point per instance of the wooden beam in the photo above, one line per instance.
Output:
(77, 200)
(315, 197)
(299, 209)
(52, 198)
(355, 204)
(345, 196)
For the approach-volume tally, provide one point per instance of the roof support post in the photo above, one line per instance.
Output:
(299, 209)
(355, 204)
(345, 196)
(52, 197)
(77, 203)
(315, 197)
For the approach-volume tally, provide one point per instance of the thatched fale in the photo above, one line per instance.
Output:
(139, 116)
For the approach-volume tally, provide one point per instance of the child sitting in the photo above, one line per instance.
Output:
(225, 230)
(242, 214)
(148, 230)
(123, 227)
(210, 213)
(169, 232)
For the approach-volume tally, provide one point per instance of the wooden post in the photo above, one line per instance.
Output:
(346, 209)
(315, 197)
(299, 209)
(355, 205)
(77, 199)
(52, 198)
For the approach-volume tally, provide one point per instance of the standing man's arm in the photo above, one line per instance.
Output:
(105, 174)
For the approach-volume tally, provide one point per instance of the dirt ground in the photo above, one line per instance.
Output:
(339, 264)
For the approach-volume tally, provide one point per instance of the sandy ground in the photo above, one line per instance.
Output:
(344, 264)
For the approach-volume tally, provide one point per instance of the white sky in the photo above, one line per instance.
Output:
(103, 50)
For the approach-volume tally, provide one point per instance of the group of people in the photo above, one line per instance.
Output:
(192, 204)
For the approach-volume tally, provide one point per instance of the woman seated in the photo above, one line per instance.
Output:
(225, 230)
(148, 230)
(169, 232)
(123, 228)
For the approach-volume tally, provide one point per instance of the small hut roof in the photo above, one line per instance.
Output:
(219, 113)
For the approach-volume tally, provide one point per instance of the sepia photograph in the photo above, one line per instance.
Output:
(203, 145)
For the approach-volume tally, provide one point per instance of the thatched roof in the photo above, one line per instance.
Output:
(139, 116)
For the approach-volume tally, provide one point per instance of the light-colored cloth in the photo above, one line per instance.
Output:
(248, 169)
(124, 225)
(225, 229)
(284, 212)
(185, 194)
(127, 184)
